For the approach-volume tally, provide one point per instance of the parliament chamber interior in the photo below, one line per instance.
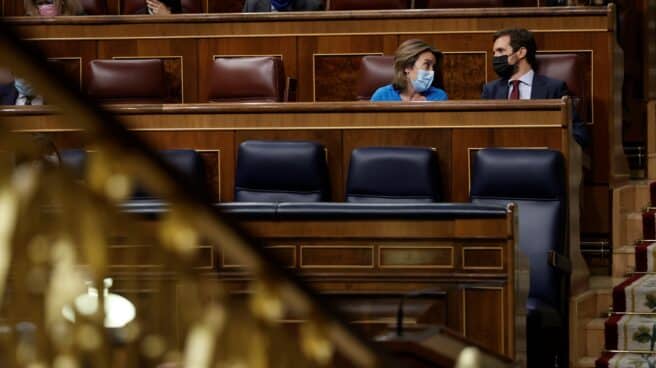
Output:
(327, 183)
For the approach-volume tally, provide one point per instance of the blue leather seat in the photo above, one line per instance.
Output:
(393, 175)
(535, 181)
(76, 160)
(281, 171)
(186, 161)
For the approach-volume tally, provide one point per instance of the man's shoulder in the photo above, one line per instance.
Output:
(547, 81)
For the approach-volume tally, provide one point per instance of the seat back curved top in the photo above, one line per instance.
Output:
(281, 171)
(393, 175)
(247, 79)
(127, 81)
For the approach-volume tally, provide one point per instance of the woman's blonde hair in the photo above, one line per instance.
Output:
(406, 56)
(65, 7)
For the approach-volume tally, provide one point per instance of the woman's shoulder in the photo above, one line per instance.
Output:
(385, 93)
(436, 94)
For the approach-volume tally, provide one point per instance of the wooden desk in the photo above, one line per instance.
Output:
(465, 264)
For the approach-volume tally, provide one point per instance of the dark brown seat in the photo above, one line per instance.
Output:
(126, 81)
(375, 71)
(567, 67)
(446, 4)
(368, 4)
(248, 79)
(94, 7)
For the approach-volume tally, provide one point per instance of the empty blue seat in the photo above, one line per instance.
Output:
(535, 181)
(281, 171)
(393, 174)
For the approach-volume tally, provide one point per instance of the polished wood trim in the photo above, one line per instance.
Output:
(334, 15)
(299, 107)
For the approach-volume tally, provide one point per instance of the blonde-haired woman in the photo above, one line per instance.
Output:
(49, 8)
(415, 64)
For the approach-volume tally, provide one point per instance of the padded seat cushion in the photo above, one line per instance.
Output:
(393, 174)
(375, 71)
(247, 79)
(187, 162)
(281, 171)
(127, 81)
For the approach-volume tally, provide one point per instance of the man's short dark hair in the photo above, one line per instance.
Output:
(520, 38)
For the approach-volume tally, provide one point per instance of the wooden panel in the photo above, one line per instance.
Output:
(595, 211)
(336, 77)
(285, 255)
(416, 257)
(464, 74)
(212, 165)
(69, 67)
(310, 47)
(482, 258)
(314, 256)
(68, 54)
(142, 257)
(484, 307)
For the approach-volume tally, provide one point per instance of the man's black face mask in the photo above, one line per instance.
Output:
(502, 68)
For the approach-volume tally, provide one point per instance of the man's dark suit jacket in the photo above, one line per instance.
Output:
(542, 88)
(8, 94)
(251, 6)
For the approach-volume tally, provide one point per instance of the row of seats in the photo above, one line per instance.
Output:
(297, 171)
(290, 179)
(242, 79)
(99, 7)
(262, 78)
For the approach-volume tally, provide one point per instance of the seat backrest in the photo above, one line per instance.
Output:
(393, 174)
(94, 7)
(446, 4)
(375, 72)
(568, 67)
(247, 79)
(188, 162)
(127, 81)
(534, 179)
(281, 171)
(75, 160)
(368, 4)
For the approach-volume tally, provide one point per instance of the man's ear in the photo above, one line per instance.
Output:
(521, 53)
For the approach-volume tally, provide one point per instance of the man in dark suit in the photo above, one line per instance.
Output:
(251, 6)
(514, 60)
